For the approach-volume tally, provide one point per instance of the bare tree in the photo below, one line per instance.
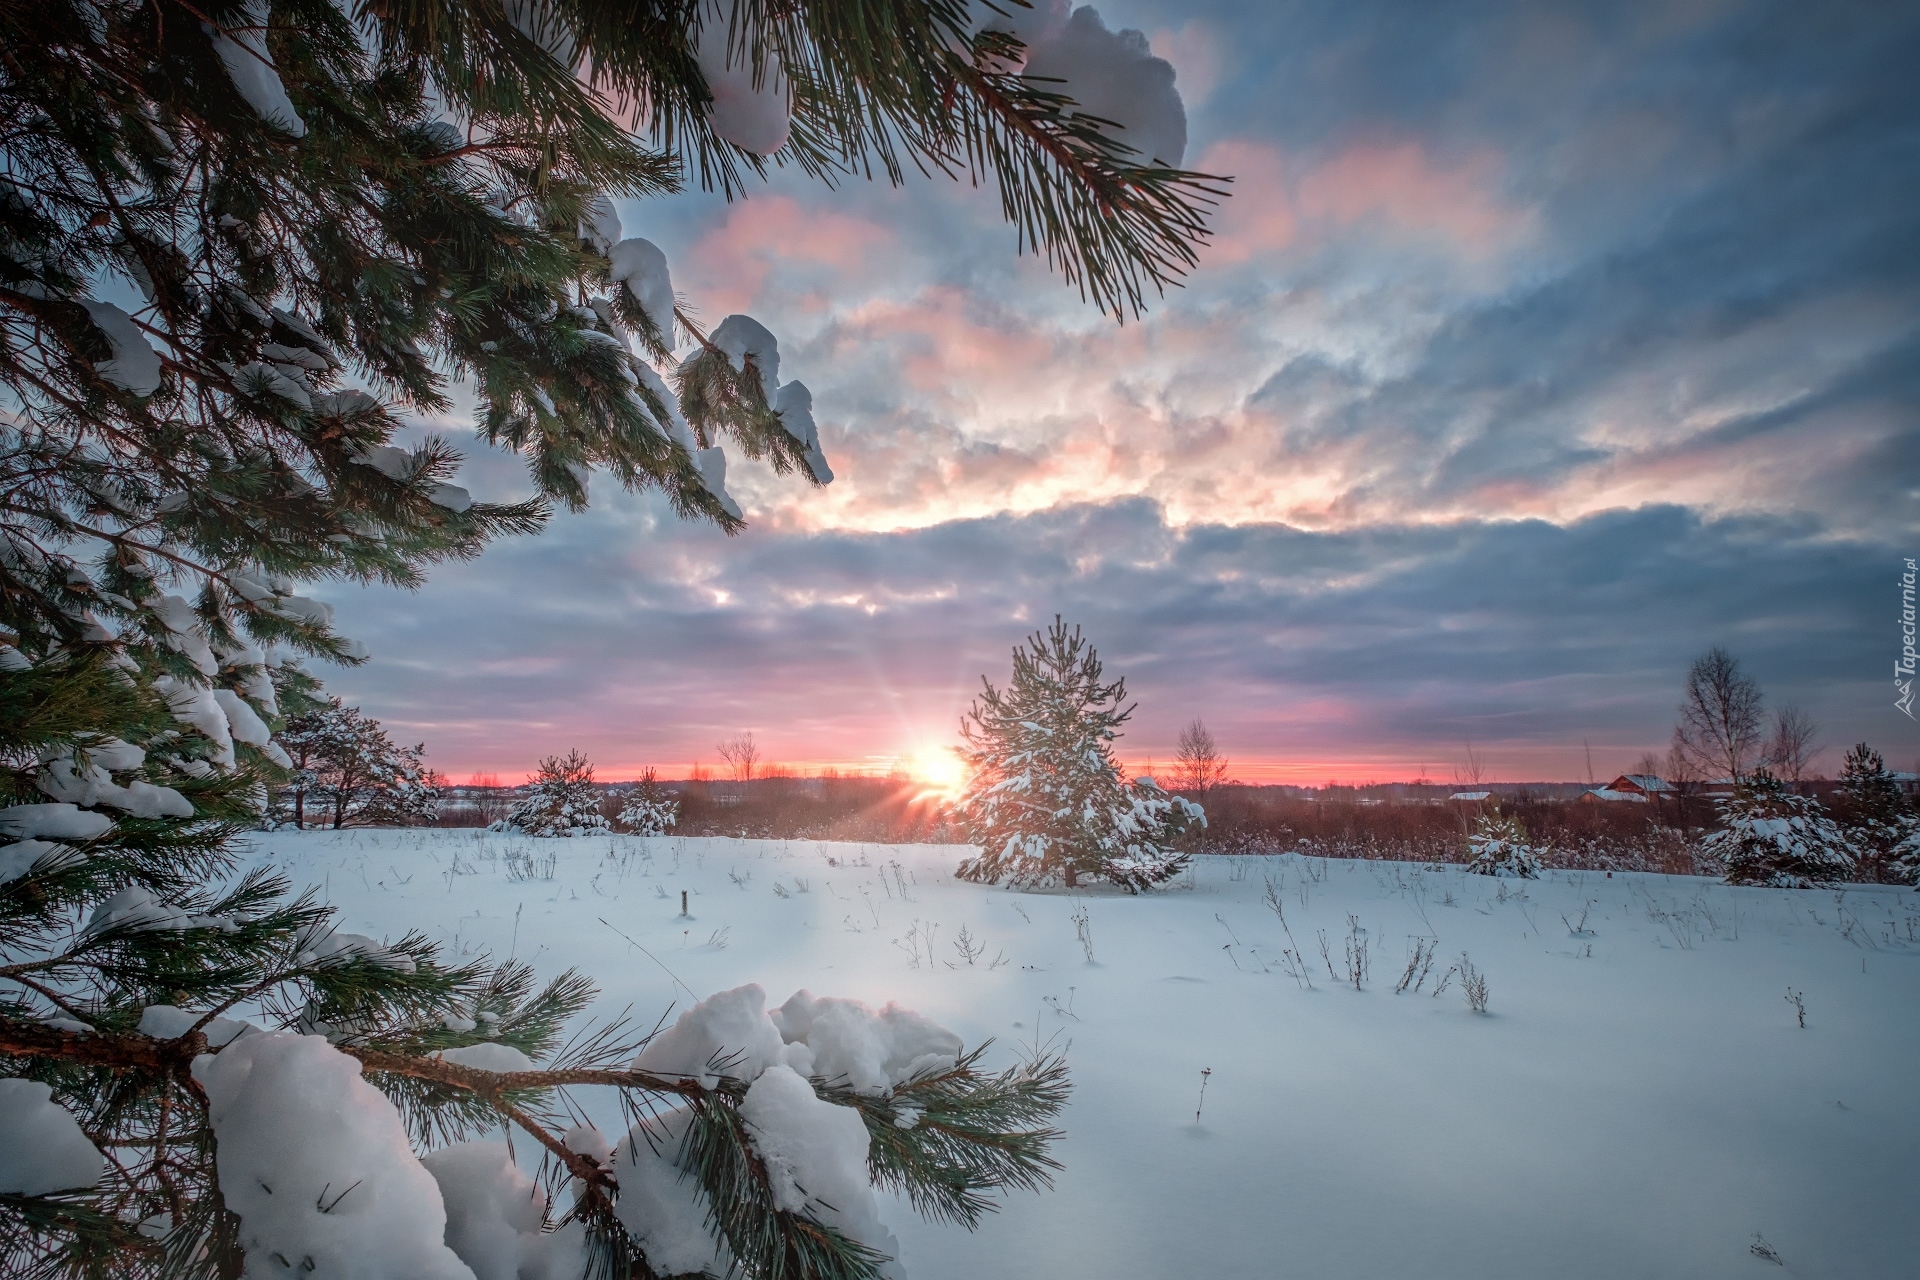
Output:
(1648, 765)
(1792, 746)
(1469, 773)
(489, 799)
(1718, 734)
(1198, 764)
(742, 755)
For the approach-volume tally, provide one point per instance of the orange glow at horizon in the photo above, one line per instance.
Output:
(942, 772)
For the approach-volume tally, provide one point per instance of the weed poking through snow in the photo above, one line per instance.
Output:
(969, 949)
(1083, 929)
(1474, 983)
(1419, 963)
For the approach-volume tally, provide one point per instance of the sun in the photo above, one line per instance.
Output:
(941, 769)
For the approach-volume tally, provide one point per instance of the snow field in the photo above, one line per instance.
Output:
(1637, 1101)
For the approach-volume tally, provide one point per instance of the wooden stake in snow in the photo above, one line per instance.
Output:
(683, 902)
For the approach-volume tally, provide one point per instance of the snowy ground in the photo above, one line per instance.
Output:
(1637, 1102)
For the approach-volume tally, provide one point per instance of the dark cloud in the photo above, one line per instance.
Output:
(647, 640)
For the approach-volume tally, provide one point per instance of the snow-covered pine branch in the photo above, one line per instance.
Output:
(1045, 798)
(758, 1138)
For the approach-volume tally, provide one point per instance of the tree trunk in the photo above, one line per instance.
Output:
(299, 808)
(1073, 876)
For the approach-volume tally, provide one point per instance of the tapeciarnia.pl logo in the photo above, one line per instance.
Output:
(1903, 666)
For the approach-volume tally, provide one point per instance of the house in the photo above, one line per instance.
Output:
(1644, 785)
(1471, 797)
(1602, 794)
(1909, 783)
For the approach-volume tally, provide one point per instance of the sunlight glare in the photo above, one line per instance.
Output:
(941, 769)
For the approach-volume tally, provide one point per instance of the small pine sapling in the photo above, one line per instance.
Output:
(1498, 846)
(561, 800)
(1769, 836)
(1045, 797)
(646, 809)
(1881, 830)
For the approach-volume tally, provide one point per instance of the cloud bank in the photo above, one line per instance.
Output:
(1539, 348)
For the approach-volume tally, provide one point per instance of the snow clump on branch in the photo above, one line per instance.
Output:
(41, 1146)
(316, 1163)
(752, 107)
(243, 50)
(815, 1149)
(1110, 75)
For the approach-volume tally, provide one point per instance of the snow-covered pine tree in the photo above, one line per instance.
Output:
(646, 809)
(320, 212)
(1498, 846)
(1770, 836)
(1045, 798)
(347, 772)
(560, 800)
(1881, 829)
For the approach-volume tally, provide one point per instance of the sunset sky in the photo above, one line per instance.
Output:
(1540, 347)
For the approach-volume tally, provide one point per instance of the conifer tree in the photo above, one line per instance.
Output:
(327, 211)
(1498, 846)
(1045, 797)
(346, 771)
(561, 800)
(1770, 836)
(1881, 829)
(646, 809)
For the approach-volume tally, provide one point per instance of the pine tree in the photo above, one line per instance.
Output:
(561, 800)
(331, 209)
(1498, 846)
(646, 809)
(1045, 798)
(1881, 830)
(1770, 836)
(347, 772)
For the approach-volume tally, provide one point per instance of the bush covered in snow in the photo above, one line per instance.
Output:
(560, 801)
(1881, 830)
(1498, 846)
(1045, 797)
(1770, 836)
(646, 809)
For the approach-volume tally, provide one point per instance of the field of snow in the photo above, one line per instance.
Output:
(1637, 1101)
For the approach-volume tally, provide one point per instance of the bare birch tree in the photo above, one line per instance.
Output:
(1718, 734)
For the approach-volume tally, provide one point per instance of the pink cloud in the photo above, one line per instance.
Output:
(1393, 186)
(727, 269)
